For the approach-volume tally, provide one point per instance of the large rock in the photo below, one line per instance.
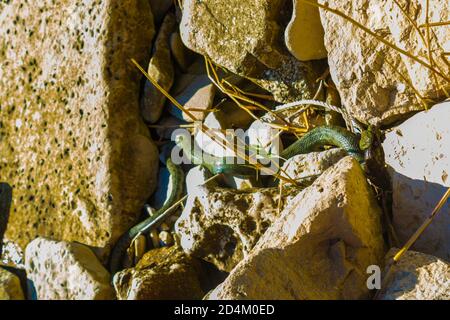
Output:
(244, 37)
(222, 225)
(319, 247)
(66, 271)
(304, 34)
(405, 37)
(74, 149)
(417, 276)
(418, 157)
(165, 273)
(372, 79)
(160, 69)
(221, 30)
(10, 288)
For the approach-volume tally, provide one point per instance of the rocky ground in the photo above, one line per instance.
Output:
(84, 139)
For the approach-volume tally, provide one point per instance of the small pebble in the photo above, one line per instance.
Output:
(140, 246)
(166, 238)
(149, 210)
(155, 239)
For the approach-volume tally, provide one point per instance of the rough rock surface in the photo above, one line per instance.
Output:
(418, 157)
(244, 36)
(165, 273)
(222, 225)
(160, 68)
(195, 93)
(421, 77)
(64, 76)
(319, 247)
(417, 276)
(372, 79)
(304, 34)
(66, 271)
(307, 167)
(238, 35)
(10, 288)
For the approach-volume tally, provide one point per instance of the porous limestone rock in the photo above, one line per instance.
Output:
(161, 70)
(304, 34)
(165, 273)
(74, 149)
(10, 288)
(417, 276)
(319, 247)
(421, 77)
(66, 271)
(372, 78)
(239, 35)
(222, 225)
(418, 157)
(244, 37)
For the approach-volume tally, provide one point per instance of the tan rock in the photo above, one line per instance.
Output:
(304, 34)
(221, 30)
(417, 276)
(422, 78)
(418, 158)
(222, 225)
(161, 70)
(244, 37)
(165, 273)
(10, 288)
(74, 149)
(196, 94)
(372, 79)
(307, 167)
(200, 103)
(66, 271)
(319, 247)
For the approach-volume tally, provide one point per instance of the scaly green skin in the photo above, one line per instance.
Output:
(320, 136)
(176, 183)
(325, 135)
